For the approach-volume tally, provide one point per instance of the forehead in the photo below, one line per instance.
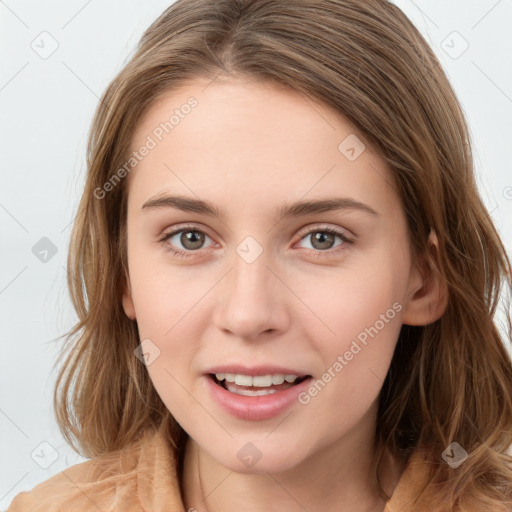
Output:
(247, 142)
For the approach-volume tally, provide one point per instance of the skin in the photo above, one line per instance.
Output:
(248, 147)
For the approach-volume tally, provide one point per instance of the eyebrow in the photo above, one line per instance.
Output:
(189, 204)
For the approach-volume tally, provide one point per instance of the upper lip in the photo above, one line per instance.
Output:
(255, 370)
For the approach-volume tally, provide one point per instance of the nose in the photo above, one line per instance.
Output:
(252, 300)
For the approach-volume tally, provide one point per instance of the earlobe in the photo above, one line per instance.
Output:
(428, 295)
(128, 306)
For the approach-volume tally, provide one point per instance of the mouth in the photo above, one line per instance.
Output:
(258, 385)
(251, 397)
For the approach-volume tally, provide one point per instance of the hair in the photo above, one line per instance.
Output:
(450, 380)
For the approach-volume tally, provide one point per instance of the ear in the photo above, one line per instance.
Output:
(128, 306)
(427, 296)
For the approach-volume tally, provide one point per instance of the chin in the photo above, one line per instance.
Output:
(266, 459)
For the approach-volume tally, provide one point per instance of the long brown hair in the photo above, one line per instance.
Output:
(448, 381)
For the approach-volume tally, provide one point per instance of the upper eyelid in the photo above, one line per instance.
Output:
(324, 227)
(175, 231)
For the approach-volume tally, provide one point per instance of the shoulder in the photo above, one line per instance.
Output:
(120, 480)
(416, 476)
(77, 487)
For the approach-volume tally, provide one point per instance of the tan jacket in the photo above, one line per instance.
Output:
(143, 478)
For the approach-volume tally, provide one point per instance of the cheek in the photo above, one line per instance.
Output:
(360, 310)
(169, 303)
(163, 294)
(350, 299)
(168, 307)
(365, 321)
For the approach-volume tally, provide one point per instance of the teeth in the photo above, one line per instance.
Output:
(249, 392)
(260, 381)
(243, 380)
(279, 379)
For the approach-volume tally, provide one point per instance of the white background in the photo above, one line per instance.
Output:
(46, 108)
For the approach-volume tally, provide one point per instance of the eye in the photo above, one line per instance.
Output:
(186, 239)
(322, 239)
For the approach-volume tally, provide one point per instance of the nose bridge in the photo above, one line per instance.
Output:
(251, 279)
(252, 297)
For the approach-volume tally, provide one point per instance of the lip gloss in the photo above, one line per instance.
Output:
(255, 408)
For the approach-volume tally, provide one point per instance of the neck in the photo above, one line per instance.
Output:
(339, 473)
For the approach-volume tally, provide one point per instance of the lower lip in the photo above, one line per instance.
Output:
(255, 407)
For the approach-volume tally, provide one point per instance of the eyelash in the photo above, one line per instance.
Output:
(303, 234)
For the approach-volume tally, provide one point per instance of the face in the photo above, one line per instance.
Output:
(259, 286)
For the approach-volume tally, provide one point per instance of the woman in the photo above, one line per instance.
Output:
(219, 363)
